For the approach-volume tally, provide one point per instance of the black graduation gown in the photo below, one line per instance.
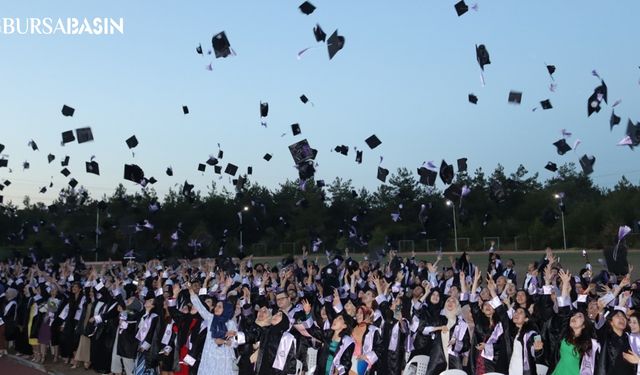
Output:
(70, 336)
(103, 339)
(482, 331)
(609, 360)
(197, 339)
(252, 332)
(393, 362)
(269, 343)
(10, 311)
(168, 362)
(437, 361)
(323, 353)
(22, 334)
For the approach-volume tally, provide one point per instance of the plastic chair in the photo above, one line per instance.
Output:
(453, 372)
(421, 362)
(312, 360)
(298, 367)
(493, 373)
(542, 369)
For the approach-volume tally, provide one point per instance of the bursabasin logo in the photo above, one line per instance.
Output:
(61, 26)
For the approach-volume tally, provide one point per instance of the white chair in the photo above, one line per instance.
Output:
(421, 362)
(542, 369)
(298, 367)
(453, 372)
(312, 360)
(493, 373)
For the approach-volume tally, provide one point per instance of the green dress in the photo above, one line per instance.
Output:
(569, 363)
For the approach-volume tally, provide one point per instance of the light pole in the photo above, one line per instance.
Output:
(244, 209)
(455, 228)
(561, 203)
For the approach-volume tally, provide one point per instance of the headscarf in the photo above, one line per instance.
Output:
(219, 322)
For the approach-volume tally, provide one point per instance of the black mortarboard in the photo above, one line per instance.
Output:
(551, 69)
(33, 145)
(249, 170)
(462, 165)
(264, 109)
(562, 146)
(551, 167)
(446, 172)
(307, 8)
(633, 132)
(453, 193)
(373, 142)
(473, 99)
(616, 258)
(202, 167)
(26, 165)
(65, 161)
(231, 169)
(4, 162)
(546, 104)
(186, 188)
(220, 154)
(482, 55)
(152, 180)
(67, 111)
(1, 147)
(43, 189)
(295, 129)
(169, 171)
(199, 49)
(593, 104)
(427, 176)
(461, 8)
(217, 169)
(221, 45)
(359, 157)
(614, 120)
(84, 135)
(601, 91)
(133, 173)
(382, 174)
(185, 109)
(301, 151)
(73, 183)
(65, 172)
(267, 157)
(515, 97)
(587, 163)
(132, 141)
(51, 157)
(320, 183)
(319, 33)
(212, 161)
(7, 182)
(68, 137)
(334, 44)
(344, 150)
(304, 99)
(92, 167)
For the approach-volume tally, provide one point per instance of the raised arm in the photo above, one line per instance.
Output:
(202, 310)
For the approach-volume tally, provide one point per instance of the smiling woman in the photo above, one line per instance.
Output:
(64, 26)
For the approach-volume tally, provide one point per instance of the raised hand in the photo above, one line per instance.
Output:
(306, 306)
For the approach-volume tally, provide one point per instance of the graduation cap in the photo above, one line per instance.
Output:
(92, 167)
(382, 174)
(546, 104)
(152, 180)
(344, 150)
(453, 193)
(551, 69)
(461, 8)
(231, 169)
(359, 157)
(68, 137)
(307, 8)
(373, 142)
(618, 264)
(515, 97)
(482, 55)
(221, 45)
(169, 171)
(446, 172)
(562, 146)
(427, 176)
(199, 49)
(65, 172)
(132, 141)
(26, 165)
(593, 104)
(587, 163)
(551, 167)
(43, 189)
(303, 99)
(133, 173)
(33, 145)
(264, 109)
(217, 169)
(185, 109)
(334, 44)
(320, 183)
(249, 170)
(462, 165)
(319, 34)
(267, 157)
(73, 183)
(220, 154)
(202, 167)
(65, 161)
(295, 129)
(1, 147)
(301, 151)
(67, 111)
(7, 182)
(84, 135)
(186, 188)
(4, 163)
(51, 157)
(473, 99)
(633, 132)
(613, 121)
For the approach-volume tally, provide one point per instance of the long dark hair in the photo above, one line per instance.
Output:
(582, 343)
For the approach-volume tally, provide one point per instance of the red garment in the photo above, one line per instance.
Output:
(184, 350)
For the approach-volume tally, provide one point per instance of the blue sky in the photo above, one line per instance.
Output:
(404, 74)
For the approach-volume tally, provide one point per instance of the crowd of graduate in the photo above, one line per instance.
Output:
(334, 316)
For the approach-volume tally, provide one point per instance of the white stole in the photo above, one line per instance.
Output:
(286, 342)
(168, 331)
(145, 326)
